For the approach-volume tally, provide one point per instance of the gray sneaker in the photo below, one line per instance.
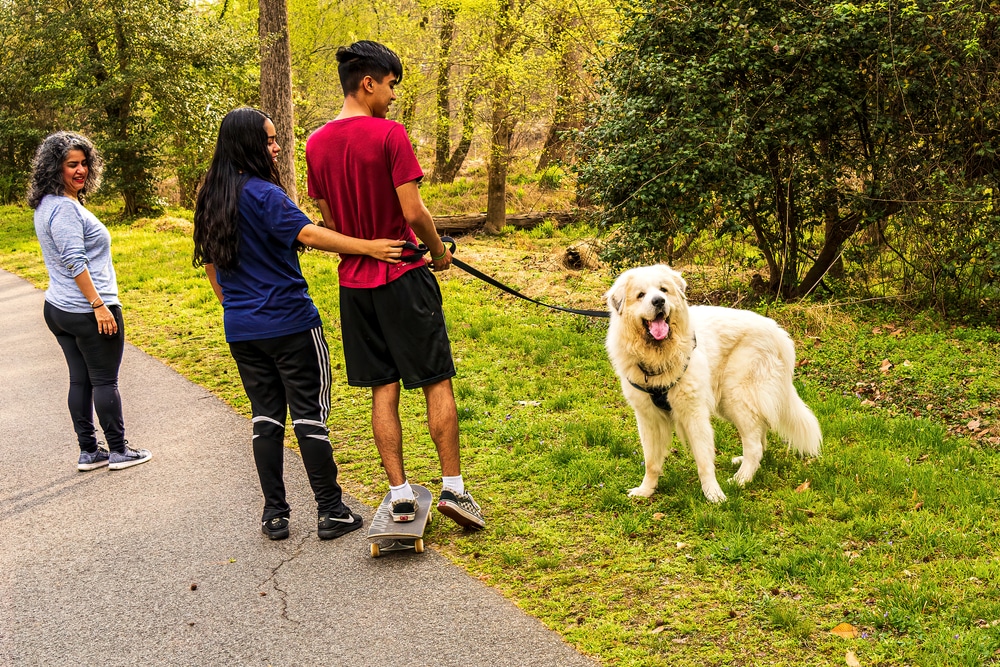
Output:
(93, 460)
(128, 458)
(462, 509)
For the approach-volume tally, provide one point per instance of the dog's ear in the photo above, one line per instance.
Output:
(681, 283)
(616, 297)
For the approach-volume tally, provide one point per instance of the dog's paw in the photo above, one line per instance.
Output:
(745, 474)
(639, 492)
(740, 478)
(737, 460)
(714, 494)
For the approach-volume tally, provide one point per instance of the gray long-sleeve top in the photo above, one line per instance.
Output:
(74, 240)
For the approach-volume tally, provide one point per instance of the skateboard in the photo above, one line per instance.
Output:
(387, 535)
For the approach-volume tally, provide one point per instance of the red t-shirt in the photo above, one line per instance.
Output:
(355, 164)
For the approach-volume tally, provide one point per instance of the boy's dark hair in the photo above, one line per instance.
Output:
(366, 58)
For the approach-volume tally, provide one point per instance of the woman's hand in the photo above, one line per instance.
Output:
(386, 250)
(106, 323)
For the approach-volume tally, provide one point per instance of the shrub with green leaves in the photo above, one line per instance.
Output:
(802, 126)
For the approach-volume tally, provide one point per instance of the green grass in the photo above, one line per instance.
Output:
(895, 534)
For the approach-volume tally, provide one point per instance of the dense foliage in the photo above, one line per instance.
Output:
(499, 79)
(148, 79)
(803, 126)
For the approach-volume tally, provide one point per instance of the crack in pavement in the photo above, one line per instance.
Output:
(273, 578)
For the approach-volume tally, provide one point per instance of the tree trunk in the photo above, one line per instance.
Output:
(276, 85)
(557, 144)
(786, 215)
(496, 169)
(831, 216)
(568, 115)
(457, 158)
(126, 153)
(442, 130)
(446, 166)
(501, 127)
(766, 247)
(837, 234)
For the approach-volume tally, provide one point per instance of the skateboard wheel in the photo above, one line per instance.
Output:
(375, 551)
(418, 545)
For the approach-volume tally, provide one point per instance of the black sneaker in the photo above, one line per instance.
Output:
(462, 509)
(276, 528)
(403, 510)
(330, 526)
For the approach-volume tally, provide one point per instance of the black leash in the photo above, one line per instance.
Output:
(417, 252)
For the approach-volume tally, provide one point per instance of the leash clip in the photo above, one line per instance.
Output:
(417, 252)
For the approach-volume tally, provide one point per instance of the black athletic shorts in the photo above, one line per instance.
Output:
(396, 332)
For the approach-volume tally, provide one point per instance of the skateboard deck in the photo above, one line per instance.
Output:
(388, 535)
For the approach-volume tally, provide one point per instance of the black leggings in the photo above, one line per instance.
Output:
(94, 359)
(290, 373)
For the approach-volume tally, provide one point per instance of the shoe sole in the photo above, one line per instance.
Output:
(333, 533)
(280, 535)
(461, 518)
(128, 464)
(403, 518)
(91, 466)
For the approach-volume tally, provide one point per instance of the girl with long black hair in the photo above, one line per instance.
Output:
(247, 234)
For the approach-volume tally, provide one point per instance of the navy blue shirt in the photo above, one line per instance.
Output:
(266, 295)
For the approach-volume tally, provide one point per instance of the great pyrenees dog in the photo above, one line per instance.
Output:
(680, 365)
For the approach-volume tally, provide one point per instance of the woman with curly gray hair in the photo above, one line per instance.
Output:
(81, 304)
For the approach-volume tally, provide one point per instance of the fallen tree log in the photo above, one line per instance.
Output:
(461, 224)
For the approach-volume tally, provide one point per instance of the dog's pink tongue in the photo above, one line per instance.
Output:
(659, 329)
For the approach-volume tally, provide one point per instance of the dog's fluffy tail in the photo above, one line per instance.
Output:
(799, 427)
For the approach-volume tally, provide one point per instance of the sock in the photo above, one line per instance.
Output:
(454, 483)
(403, 491)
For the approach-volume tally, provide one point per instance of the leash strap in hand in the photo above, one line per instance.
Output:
(417, 252)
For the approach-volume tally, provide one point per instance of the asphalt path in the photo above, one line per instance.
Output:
(164, 564)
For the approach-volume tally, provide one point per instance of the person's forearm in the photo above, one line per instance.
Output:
(87, 287)
(423, 226)
(106, 323)
(210, 272)
(322, 238)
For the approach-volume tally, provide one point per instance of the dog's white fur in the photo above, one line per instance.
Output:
(739, 367)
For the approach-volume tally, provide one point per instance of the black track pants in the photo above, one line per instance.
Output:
(290, 371)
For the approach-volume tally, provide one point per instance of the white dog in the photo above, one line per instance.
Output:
(681, 365)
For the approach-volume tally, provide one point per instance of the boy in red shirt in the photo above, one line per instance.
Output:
(364, 176)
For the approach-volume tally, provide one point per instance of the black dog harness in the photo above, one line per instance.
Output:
(659, 394)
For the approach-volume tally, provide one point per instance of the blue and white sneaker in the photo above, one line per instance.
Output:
(93, 460)
(128, 458)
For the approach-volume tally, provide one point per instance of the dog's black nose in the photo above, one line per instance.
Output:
(658, 301)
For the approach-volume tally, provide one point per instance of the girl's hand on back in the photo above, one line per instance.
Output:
(386, 250)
